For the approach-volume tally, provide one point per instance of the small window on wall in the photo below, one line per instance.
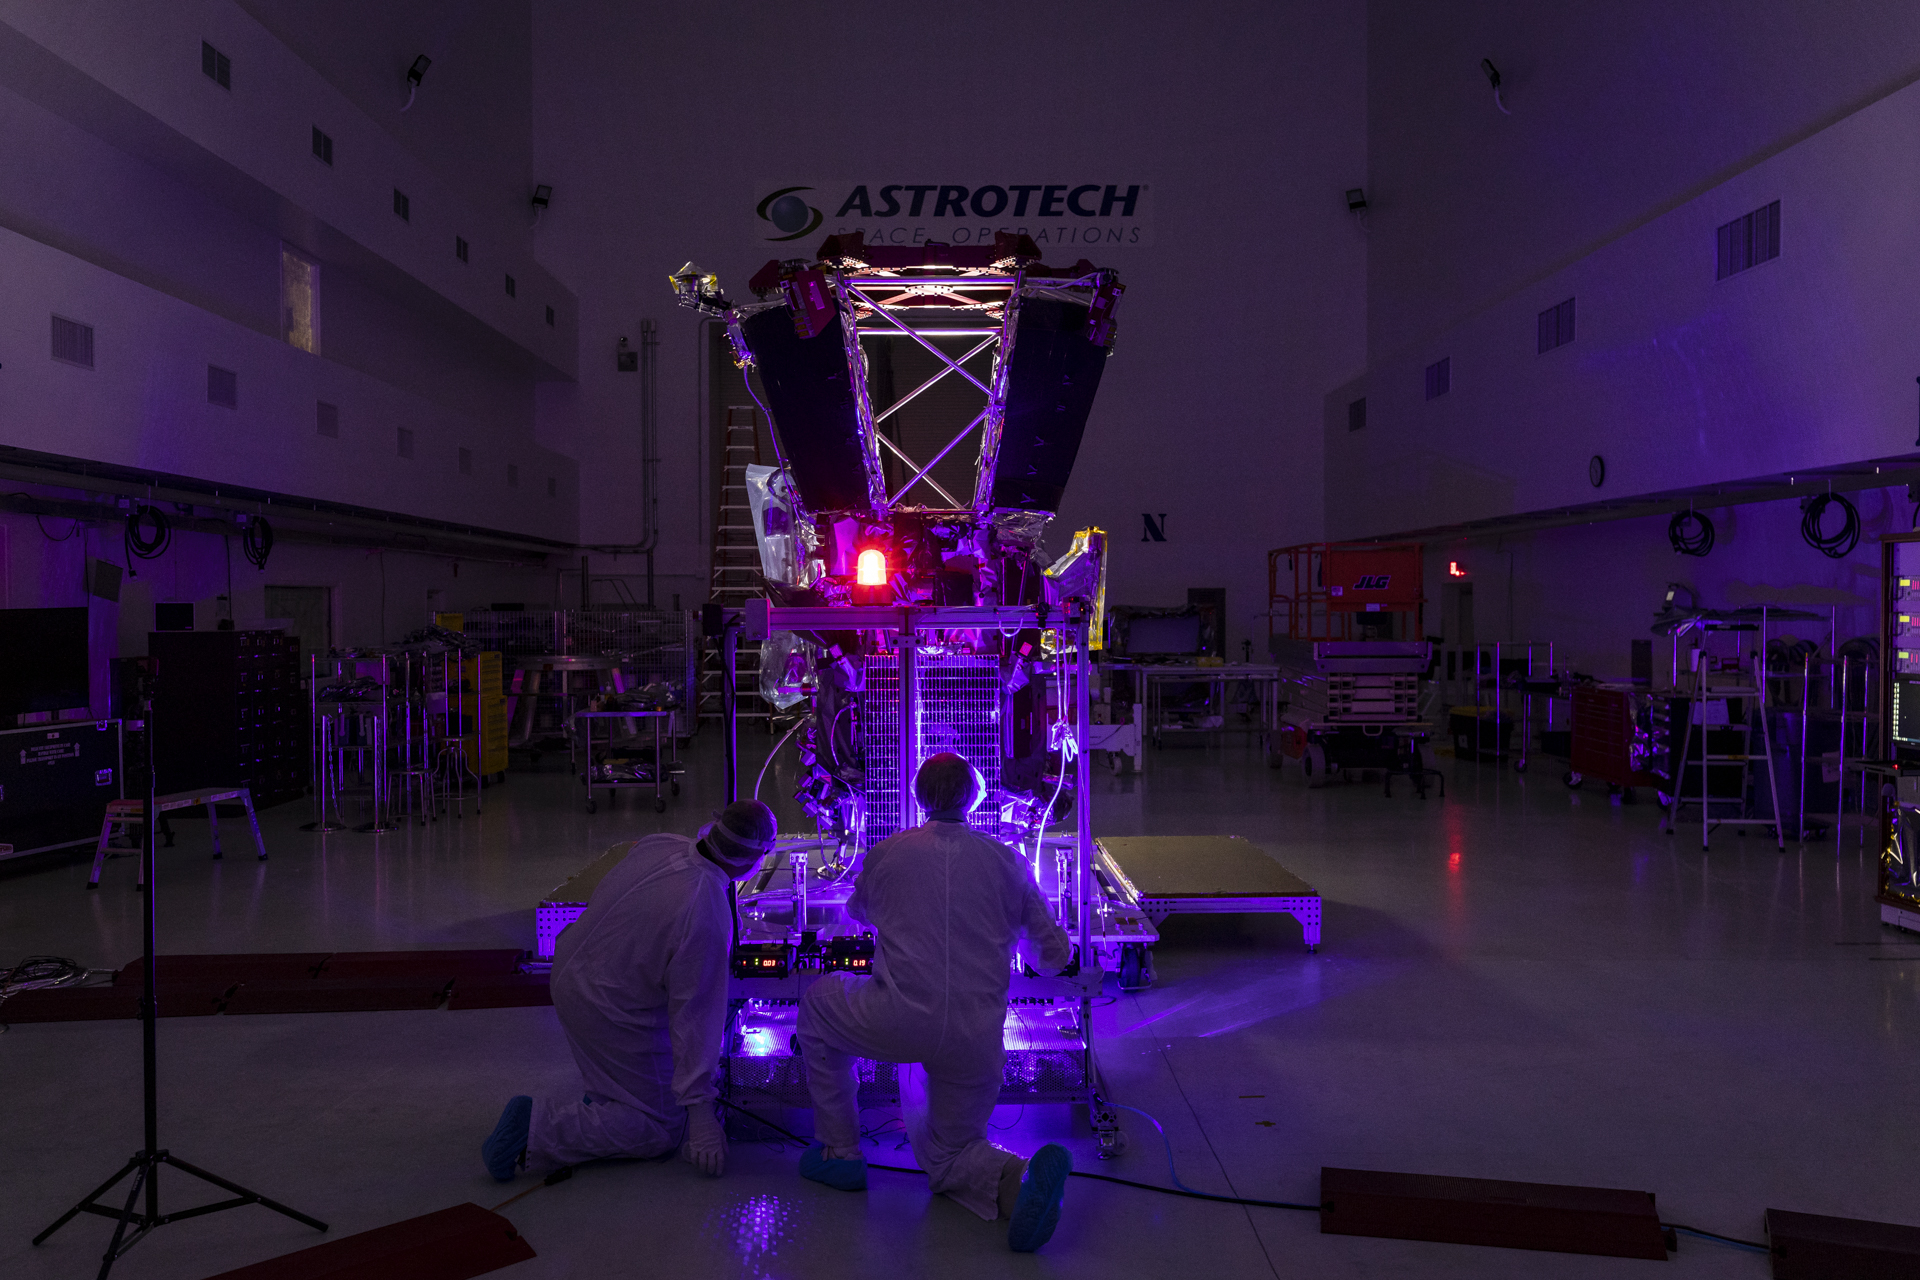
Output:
(402, 207)
(1439, 377)
(1556, 327)
(460, 248)
(322, 146)
(72, 342)
(216, 66)
(299, 300)
(1747, 241)
(511, 287)
(1357, 414)
(549, 317)
(223, 387)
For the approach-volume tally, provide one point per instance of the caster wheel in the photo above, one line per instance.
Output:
(1520, 765)
(1573, 780)
(1113, 1143)
(674, 787)
(592, 806)
(660, 805)
(1314, 766)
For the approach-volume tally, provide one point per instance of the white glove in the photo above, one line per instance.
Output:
(706, 1145)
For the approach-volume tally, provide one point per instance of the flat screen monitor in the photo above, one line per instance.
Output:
(1906, 710)
(43, 660)
(1179, 634)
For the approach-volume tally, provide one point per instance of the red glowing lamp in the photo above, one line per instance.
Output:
(1454, 570)
(871, 571)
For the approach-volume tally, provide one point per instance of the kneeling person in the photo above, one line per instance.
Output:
(947, 906)
(640, 984)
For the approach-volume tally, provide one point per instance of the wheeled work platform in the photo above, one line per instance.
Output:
(1211, 875)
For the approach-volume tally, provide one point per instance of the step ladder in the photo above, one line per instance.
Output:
(1720, 766)
(735, 574)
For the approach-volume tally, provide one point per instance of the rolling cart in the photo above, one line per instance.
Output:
(662, 774)
(1609, 743)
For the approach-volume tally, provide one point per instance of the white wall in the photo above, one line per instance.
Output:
(145, 200)
(656, 125)
(144, 405)
(1676, 379)
(1619, 111)
(1636, 130)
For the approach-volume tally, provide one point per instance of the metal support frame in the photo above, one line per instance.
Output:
(874, 301)
(763, 617)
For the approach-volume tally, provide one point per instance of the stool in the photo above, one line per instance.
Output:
(132, 814)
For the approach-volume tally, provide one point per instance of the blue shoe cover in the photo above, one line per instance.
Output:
(841, 1175)
(1037, 1212)
(508, 1141)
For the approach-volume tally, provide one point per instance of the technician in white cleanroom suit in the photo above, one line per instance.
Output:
(947, 906)
(640, 984)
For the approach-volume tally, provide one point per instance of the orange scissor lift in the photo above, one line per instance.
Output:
(1345, 627)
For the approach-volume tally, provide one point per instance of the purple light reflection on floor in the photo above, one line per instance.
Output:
(754, 1229)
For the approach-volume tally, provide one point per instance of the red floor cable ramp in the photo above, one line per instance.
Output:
(451, 1244)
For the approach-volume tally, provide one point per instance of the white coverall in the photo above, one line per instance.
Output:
(947, 906)
(640, 984)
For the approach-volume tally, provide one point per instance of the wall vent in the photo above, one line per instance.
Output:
(406, 442)
(513, 476)
(1440, 377)
(1747, 241)
(466, 462)
(216, 66)
(402, 207)
(223, 387)
(1356, 414)
(1556, 326)
(460, 248)
(511, 286)
(322, 146)
(73, 342)
(326, 419)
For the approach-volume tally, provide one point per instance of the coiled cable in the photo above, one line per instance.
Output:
(256, 542)
(1690, 533)
(1837, 546)
(144, 544)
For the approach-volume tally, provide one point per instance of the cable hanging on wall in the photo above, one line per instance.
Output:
(150, 542)
(1690, 533)
(1837, 546)
(256, 542)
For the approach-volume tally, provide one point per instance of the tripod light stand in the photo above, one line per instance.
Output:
(134, 1224)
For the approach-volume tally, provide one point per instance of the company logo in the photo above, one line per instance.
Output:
(1080, 214)
(1373, 582)
(789, 214)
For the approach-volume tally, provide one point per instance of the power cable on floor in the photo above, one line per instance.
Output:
(1178, 1189)
(558, 1175)
(1187, 1193)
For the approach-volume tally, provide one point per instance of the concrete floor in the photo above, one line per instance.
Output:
(1515, 982)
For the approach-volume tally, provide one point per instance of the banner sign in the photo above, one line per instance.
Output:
(1084, 216)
